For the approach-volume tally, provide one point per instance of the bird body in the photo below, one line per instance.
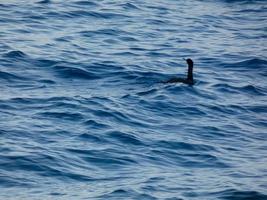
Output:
(189, 80)
(180, 80)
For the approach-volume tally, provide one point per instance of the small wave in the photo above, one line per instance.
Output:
(45, 62)
(251, 89)
(91, 138)
(129, 6)
(103, 158)
(47, 81)
(107, 32)
(73, 72)
(95, 125)
(55, 101)
(255, 63)
(148, 92)
(238, 1)
(251, 64)
(106, 67)
(233, 194)
(247, 89)
(184, 146)
(62, 115)
(11, 181)
(44, 2)
(92, 14)
(257, 108)
(129, 39)
(15, 54)
(147, 77)
(86, 3)
(11, 77)
(112, 115)
(127, 193)
(124, 138)
(187, 158)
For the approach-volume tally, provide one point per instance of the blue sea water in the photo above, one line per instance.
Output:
(84, 115)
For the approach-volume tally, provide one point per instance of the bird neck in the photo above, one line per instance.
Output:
(190, 73)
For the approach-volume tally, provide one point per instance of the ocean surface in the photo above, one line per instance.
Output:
(84, 113)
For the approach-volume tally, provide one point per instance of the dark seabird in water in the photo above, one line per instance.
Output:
(189, 80)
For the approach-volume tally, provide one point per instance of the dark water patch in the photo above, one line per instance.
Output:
(125, 54)
(70, 105)
(65, 175)
(41, 103)
(47, 81)
(4, 47)
(251, 64)
(2, 5)
(115, 32)
(237, 108)
(257, 108)
(157, 54)
(127, 139)
(95, 125)
(46, 62)
(247, 89)
(9, 181)
(213, 133)
(15, 55)
(21, 163)
(57, 194)
(86, 3)
(106, 68)
(19, 100)
(233, 194)
(111, 115)
(6, 106)
(43, 165)
(62, 115)
(253, 11)
(241, 1)
(56, 15)
(95, 101)
(129, 6)
(44, 2)
(162, 9)
(148, 92)
(35, 19)
(73, 72)
(159, 22)
(126, 193)
(184, 146)
(224, 87)
(148, 77)
(91, 138)
(64, 39)
(100, 15)
(128, 39)
(103, 159)
(11, 77)
(166, 108)
(181, 158)
(253, 90)
(223, 110)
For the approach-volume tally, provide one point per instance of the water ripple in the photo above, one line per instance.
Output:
(85, 113)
